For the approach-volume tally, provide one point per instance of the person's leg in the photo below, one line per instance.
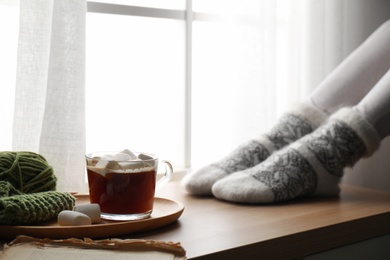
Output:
(346, 85)
(375, 106)
(356, 75)
(314, 164)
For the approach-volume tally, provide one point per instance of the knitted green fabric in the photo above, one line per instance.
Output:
(19, 209)
(27, 190)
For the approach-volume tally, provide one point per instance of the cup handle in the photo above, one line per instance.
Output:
(167, 175)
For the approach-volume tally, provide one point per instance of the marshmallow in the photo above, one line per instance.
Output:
(123, 161)
(130, 153)
(91, 210)
(143, 156)
(106, 157)
(121, 157)
(100, 167)
(113, 166)
(102, 164)
(73, 218)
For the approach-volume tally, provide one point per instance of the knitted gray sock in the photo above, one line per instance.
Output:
(301, 120)
(311, 166)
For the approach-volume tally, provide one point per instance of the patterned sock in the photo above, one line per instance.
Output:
(312, 166)
(300, 121)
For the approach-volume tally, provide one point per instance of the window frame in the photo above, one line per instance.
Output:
(186, 15)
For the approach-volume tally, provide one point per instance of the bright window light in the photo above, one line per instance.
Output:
(135, 85)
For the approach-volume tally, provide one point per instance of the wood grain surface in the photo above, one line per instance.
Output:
(214, 229)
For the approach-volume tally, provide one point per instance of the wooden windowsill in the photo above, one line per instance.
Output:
(214, 229)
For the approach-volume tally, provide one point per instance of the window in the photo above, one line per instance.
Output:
(135, 80)
(186, 80)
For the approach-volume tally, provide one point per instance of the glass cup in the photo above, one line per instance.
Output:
(124, 188)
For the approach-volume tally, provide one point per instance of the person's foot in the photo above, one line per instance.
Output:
(311, 166)
(299, 122)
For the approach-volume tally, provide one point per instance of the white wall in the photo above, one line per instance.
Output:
(362, 20)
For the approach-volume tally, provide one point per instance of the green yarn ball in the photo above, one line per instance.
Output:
(28, 172)
(27, 190)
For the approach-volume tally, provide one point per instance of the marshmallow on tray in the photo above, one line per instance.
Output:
(73, 218)
(91, 210)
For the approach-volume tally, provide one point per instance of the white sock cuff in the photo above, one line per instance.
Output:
(309, 112)
(361, 126)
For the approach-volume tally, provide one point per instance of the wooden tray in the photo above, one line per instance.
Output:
(165, 212)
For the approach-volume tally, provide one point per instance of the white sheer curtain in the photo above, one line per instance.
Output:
(251, 66)
(49, 99)
(254, 61)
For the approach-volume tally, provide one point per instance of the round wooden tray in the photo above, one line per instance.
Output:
(165, 212)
